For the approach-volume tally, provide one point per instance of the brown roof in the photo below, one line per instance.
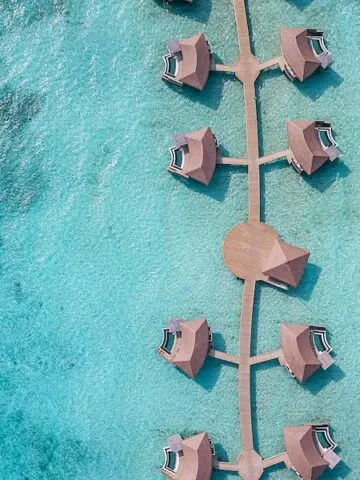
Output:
(298, 52)
(194, 67)
(200, 159)
(298, 350)
(197, 458)
(305, 145)
(192, 346)
(286, 263)
(303, 452)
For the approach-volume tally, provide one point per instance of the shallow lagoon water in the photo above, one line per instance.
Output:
(100, 245)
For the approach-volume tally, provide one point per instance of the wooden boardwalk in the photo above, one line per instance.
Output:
(223, 356)
(244, 370)
(249, 465)
(247, 70)
(265, 357)
(247, 248)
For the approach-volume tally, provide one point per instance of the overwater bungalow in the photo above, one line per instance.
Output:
(188, 62)
(194, 155)
(186, 344)
(304, 349)
(189, 459)
(304, 51)
(286, 263)
(311, 144)
(310, 449)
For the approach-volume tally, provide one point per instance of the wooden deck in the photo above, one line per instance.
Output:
(275, 156)
(231, 161)
(247, 246)
(224, 356)
(246, 249)
(281, 458)
(244, 370)
(265, 357)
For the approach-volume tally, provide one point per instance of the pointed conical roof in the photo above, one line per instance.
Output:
(298, 52)
(298, 350)
(197, 456)
(194, 67)
(192, 347)
(200, 159)
(304, 454)
(305, 144)
(194, 461)
(286, 263)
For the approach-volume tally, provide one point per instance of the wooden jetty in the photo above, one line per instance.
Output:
(245, 264)
(247, 249)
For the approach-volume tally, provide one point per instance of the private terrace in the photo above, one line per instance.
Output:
(192, 458)
(194, 155)
(303, 52)
(304, 349)
(188, 62)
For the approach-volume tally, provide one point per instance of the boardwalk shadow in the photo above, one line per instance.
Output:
(323, 378)
(327, 175)
(219, 184)
(255, 321)
(264, 170)
(255, 369)
(315, 87)
(250, 26)
(220, 475)
(198, 11)
(265, 75)
(271, 471)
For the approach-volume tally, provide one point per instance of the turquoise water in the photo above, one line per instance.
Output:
(100, 245)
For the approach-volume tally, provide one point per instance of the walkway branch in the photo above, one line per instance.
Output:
(274, 157)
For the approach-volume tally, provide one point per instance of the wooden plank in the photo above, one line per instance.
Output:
(242, 27)
(276, 459)
(219, 67)
(230, 467)
(264, 357)
(231, 161)
(274, 62)
(244, 366)
(274, 156)
(224, 356)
